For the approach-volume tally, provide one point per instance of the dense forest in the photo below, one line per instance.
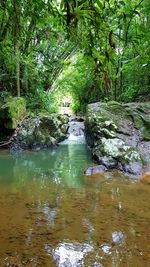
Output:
(83, 50)
(74, 133)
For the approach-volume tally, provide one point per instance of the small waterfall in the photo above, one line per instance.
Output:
(75, 131)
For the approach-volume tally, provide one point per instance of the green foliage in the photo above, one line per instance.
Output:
(90, 50)
(13, 111)
(33, 48)
(40, 101)
(75, 82)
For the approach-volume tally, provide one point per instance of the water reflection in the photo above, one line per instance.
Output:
(106, 248)
(69, 254)
(64, 164)
(118, 238)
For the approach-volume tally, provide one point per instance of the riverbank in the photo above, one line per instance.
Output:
(119, 135)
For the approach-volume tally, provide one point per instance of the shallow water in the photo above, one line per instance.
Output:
(52, 215)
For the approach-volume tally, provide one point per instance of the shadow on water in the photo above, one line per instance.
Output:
(52, 215)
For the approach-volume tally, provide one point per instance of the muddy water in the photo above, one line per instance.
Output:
(52, 215)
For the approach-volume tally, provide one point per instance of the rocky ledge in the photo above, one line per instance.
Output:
(119, 135)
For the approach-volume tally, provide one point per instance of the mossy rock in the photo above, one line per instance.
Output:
(141, 121)
(40, 132)
(114, 132)
(12, 112)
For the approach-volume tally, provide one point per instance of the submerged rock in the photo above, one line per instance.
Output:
(39, 132)
(95, 169)
(119, 135)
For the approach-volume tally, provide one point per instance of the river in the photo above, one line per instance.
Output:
(51, 214)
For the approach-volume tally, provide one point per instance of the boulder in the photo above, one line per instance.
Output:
(40, 131)
(119, 135)
(95, 169)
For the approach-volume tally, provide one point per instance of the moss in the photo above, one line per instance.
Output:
(146, 134)
(112, 147)
(13, 111)
(39, 132)
(142, 123)
(129, 154)
(115, 130)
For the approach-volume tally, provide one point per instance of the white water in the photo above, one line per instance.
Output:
(75, 133)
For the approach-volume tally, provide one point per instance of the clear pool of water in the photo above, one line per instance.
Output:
(52, 215)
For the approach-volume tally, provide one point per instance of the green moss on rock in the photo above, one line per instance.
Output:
(41, 132)
(114, 132)
(12, 112)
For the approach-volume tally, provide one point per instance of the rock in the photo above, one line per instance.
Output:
(112, 147)
(40, 132)
(135, 168)
(15, 148)
(76, 128)
(144, 149)
(75, 132)
(76, 118)
(12, 112)
(95, 169)
(107, 161)
(119, 134)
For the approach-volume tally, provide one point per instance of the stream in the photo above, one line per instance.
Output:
(51, 214)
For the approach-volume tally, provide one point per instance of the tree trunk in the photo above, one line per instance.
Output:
(17, 51)
(17, 13)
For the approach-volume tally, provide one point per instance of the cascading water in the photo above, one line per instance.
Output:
(75, 131)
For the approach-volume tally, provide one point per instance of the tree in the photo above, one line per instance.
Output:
(38, 38)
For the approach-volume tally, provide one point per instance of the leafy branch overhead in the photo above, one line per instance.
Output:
(42, 40)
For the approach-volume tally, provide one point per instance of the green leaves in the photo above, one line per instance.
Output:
(99, 4)
(115, 35)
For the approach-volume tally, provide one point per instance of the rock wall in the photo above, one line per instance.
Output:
(119, 135)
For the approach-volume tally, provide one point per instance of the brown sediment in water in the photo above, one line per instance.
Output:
(45, 221)
(145, 178)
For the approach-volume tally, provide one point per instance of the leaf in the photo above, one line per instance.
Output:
(100, 5)
(122, 3)
(62, 4)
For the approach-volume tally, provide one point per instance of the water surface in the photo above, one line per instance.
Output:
(52, 215)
